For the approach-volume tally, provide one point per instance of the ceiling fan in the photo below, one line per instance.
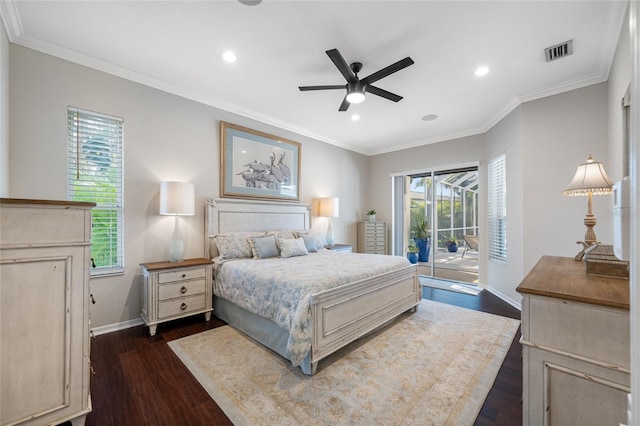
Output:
(356, 87)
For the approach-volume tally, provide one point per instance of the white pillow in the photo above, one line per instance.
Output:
(292, 247)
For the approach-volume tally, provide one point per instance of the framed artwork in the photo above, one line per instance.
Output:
(254, 164)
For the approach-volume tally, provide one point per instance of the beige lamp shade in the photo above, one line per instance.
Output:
(329, 207)
(590, 178)
(177, 198)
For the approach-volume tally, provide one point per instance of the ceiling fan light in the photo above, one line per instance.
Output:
(355, 97)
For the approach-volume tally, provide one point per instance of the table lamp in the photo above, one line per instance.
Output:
(177, 198)
(329, 207)
(590, 179)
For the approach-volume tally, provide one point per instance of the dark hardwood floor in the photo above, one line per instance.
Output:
(140, 381)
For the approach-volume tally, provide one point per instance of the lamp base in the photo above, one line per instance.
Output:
(176, 245)
(585, 246)
(589, 236)
(329, 234)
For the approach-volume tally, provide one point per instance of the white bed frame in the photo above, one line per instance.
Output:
(339, 315)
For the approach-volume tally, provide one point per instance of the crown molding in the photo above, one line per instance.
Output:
(11, 19)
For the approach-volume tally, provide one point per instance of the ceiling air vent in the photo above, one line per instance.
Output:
(559, 51)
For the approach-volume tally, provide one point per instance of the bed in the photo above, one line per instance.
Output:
(353, 295)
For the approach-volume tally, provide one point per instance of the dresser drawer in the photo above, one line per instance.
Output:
(181, 288)
(181, 306)
(185, 274)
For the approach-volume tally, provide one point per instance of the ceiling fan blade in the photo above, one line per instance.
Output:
(381, 92)
(341, 64)
(403, 63)
(344, 105)
(330, 87)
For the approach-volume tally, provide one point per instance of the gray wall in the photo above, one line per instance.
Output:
(544, 141)
(506, 137)
(4, 112)
(166, 138)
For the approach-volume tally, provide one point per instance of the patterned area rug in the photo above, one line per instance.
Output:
(434, 367)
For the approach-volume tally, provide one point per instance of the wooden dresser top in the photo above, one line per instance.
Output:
(567, 279)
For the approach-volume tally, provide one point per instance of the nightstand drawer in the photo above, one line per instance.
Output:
(185, 274)
(181, 289)
(181, 306)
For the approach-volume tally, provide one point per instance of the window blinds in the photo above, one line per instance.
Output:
(95, 173)
(497, 209)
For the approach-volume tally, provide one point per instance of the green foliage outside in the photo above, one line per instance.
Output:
(104, 220)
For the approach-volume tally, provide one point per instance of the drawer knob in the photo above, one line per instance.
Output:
(183, 290)
(184, 275)
(183, 306)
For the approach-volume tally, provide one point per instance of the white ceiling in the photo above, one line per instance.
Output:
(176, 46)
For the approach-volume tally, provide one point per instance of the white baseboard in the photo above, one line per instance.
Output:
(117, 326)
(514, 303)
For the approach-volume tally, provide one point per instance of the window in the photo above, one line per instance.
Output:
(95, 167)
(497, 209)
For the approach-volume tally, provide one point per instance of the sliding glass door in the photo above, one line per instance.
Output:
(441, 206)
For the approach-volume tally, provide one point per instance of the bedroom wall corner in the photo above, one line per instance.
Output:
(506, 137)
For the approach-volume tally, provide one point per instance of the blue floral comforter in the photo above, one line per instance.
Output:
(280, 289)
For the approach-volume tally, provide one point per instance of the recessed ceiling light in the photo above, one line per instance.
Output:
(355, 117)
(482, 71)
(429, 117)
(229, 56)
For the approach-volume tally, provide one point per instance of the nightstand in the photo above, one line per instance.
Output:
(340, 247)
(172, 290)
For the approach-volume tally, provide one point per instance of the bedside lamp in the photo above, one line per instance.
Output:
(590, 179)
(177, 198)
(329, 207)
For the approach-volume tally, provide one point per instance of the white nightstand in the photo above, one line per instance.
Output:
(176, 290)
(340, 247)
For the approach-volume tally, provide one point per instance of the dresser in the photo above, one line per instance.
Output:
(372, 237)
(45, 258)
(575, 341)
(172, 290)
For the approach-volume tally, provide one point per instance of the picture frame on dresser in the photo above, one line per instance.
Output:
(259, 165)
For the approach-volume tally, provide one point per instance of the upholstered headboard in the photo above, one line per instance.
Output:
(230, 215)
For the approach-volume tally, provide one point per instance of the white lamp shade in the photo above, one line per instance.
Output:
(590, 178)
(177, 198)
(329, 207)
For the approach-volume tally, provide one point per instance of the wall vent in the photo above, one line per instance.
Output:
(559, 51)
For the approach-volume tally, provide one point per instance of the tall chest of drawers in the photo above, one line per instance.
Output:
(372, 237)
(45, 258)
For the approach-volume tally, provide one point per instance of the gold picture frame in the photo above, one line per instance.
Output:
(255, 164)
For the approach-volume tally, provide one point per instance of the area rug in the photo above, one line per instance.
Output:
(450, 285)
(433, 367)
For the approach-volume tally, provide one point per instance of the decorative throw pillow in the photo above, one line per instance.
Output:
(292, 247)
(284, 233)
(309, 242)
(234, 245)
(319, 240)
(264, 246)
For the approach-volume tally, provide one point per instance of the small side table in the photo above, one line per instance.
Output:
(172, 290)
(340, 247)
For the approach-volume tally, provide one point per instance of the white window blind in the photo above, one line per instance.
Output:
(95, 169)
(497, 209)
